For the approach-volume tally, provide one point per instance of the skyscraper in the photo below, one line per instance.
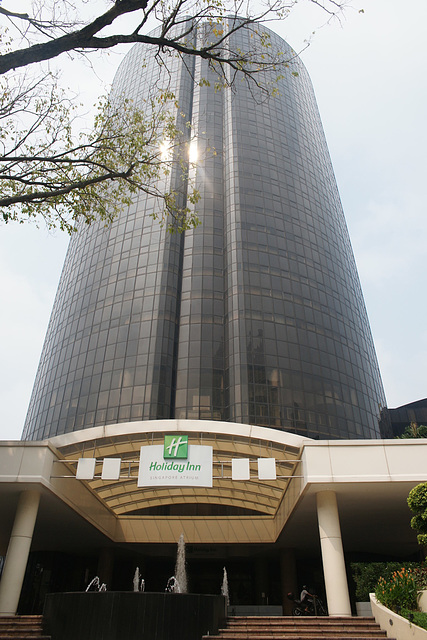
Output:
(256, 316)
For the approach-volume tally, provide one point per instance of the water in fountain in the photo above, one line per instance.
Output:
(136, 580)
(180, 568)
(173, 585)
(224, 588)
(93, 583)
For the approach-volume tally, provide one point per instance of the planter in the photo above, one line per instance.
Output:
(394, 625)
(422, 601)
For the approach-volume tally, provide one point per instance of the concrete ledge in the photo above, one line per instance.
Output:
(364, 609)
(255, 610)
(394, 625)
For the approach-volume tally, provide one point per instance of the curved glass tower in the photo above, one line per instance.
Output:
(256, 316)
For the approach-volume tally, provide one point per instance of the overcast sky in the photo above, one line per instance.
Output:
(369, 75)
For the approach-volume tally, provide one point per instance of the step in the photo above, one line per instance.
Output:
(345, 633)
(310, 621)
(303, 620)
(273, 619)
(284, 619)
(21, 621)
(22, 628)
(23, 618)
(299, 628)
(299, 636)
(307, 627)
(332, 628)
(23, 636)
(22, 633)
(27, 628)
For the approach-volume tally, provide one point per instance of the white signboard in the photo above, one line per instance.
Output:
(194, 471)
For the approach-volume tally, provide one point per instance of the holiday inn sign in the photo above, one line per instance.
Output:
(176, 464)
(175, 447)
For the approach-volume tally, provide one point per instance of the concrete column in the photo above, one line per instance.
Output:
(17, 552)
(288, 574)
(332, 554)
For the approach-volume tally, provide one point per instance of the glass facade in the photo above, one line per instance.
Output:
(402, 417)
(256, 316)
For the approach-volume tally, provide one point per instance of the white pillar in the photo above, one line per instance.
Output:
(332, 554)
(17, 552)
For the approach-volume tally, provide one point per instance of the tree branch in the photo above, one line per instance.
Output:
(81, 184)
(71, 41)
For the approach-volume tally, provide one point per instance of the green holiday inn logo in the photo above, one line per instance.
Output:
(175, 447)
(175, 464)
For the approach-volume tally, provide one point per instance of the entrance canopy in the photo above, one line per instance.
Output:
(371, 479)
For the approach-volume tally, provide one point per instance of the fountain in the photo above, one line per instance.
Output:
(180, 568)
(173, 586)
(136, 614)
(224, 588)
(138, 582)
(95, 585)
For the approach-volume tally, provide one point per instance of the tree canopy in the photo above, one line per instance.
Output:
(417, 502)
(414, 430)
(51, 170)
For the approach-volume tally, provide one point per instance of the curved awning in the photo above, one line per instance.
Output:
(228, 441)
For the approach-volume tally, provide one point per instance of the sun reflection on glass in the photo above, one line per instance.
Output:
(165, 150)
(192, 153)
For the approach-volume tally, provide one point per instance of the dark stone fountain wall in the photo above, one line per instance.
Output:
(120, 615)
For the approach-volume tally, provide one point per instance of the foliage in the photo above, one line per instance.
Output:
(56, 27)
(395, 585)
(416, 617)
(420, 574)
(400, 590)
(414, 431)
(367, 574)
(417, 502)
(48, 171)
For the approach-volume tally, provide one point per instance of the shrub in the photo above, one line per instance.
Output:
(420, 575)
(367, 574)
(417, 617)
(400, 591)
(417, 502)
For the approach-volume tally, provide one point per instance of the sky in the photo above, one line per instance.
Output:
(370, 79)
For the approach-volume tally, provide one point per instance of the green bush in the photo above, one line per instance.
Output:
(416, 617)
(400, 591)
(420, 573)
(417, 502)
(367, 574)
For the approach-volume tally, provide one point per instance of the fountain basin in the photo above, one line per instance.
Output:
(115, 615)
